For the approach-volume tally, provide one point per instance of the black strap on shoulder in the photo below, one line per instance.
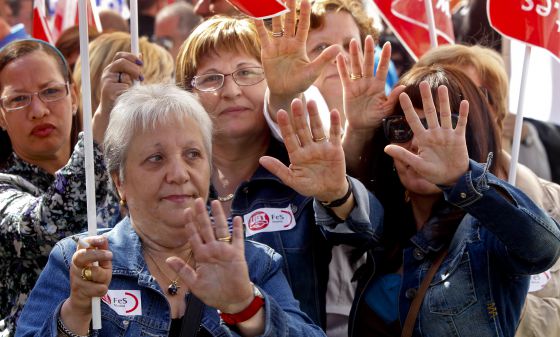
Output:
(193, 315)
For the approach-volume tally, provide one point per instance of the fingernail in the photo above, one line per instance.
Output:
(139, 62)
(141, 78)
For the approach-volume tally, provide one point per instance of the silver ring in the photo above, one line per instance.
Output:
(278, 34)
(119, 79)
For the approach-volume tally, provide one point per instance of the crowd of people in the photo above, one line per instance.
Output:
(267, 178)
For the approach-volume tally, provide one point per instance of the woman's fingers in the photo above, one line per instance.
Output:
(300, 123)
(290, 19)
(444, 108)
(356, 60)
(369, 57)
(384, 61)
(336, 128)
(220, 221)
(461, 127)
(428, 105)
(304, 21)
(317, 130)
(410, 114)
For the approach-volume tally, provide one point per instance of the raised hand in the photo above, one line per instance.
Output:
(365, 102)
(117, 77)
(317, 167)
(288, 70)
(220, 277)
(442, 156)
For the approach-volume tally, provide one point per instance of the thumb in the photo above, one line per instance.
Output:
(399, 153)
(277, 168)
(328, 55)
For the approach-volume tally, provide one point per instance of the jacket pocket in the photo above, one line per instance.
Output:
(452, 292)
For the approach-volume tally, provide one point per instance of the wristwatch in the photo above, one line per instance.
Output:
(248, 312)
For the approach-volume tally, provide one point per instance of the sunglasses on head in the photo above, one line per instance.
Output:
(397, 130)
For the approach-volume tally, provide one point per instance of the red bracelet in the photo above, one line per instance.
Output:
(248, 312)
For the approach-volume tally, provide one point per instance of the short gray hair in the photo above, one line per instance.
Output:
(145, 107)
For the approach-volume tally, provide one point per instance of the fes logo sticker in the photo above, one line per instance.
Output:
(539, 281)
(124, 302)
(268, 220)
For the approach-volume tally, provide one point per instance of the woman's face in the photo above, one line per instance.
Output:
(166, 169)
(40, 131)
(235, 110)
(408, 176)
(339, 29)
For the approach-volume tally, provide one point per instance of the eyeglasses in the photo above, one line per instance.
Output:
(19, 101)
(243, 77)
(397, 130)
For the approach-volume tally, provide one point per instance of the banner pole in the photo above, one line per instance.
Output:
(519, 118)
(88, 145)
(431, 22)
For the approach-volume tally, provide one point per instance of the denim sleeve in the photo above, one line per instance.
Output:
(362, 227)
(530, 237)
(40, 313)
(283, 316)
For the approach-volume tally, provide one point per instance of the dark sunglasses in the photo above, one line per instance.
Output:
(397, 130)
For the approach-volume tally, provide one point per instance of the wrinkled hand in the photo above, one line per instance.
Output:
(365, 101)
(442, 156)
(220, 278)
(82, 291)
(317, 166)
(125, 67)
(288, 70)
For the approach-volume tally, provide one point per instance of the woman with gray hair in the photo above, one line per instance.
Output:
(167, 267)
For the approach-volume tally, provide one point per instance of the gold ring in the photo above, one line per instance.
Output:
(86, 274)
(356, 76)
(319, 139)
(278, 34)
(225, 239)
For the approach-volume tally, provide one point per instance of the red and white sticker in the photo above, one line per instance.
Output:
(269, 220)
(124, 302)
(539, 281)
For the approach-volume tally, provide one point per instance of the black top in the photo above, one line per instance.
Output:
(175, 330)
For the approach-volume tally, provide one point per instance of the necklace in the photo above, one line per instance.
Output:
(226, 198)
(173, 287)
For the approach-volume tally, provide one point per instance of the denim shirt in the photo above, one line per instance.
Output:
(306, 248)
(480, 287)
(39, 317)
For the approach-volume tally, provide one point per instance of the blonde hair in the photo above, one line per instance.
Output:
(489, 66)
(158, 63)
(217, 34)
(319, 8)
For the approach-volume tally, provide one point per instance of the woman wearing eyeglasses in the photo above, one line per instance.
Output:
(220, 63)
(42, 182)
(458, 245)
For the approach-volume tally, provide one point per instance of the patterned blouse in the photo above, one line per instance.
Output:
(38, 209)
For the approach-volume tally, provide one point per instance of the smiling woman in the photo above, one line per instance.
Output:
(42, 181)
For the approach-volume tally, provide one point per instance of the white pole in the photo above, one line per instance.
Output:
(519, 119)
(431, 22)
(134, 47)
(88, 144)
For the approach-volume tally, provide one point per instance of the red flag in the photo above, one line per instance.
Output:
(408, 20)
(260, 9)
(536, 23)
(41, 29)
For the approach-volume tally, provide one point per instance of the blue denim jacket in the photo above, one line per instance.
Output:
(306, 248)
(480, 287)
(39, 316)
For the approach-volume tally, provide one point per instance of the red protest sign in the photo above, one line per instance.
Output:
(408, 20)
(535, 22)
(260, 9)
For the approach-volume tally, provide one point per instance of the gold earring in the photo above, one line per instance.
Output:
(122, 202)
(406, 196)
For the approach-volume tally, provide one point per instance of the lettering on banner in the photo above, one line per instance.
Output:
(543, 10)
(443, 6)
